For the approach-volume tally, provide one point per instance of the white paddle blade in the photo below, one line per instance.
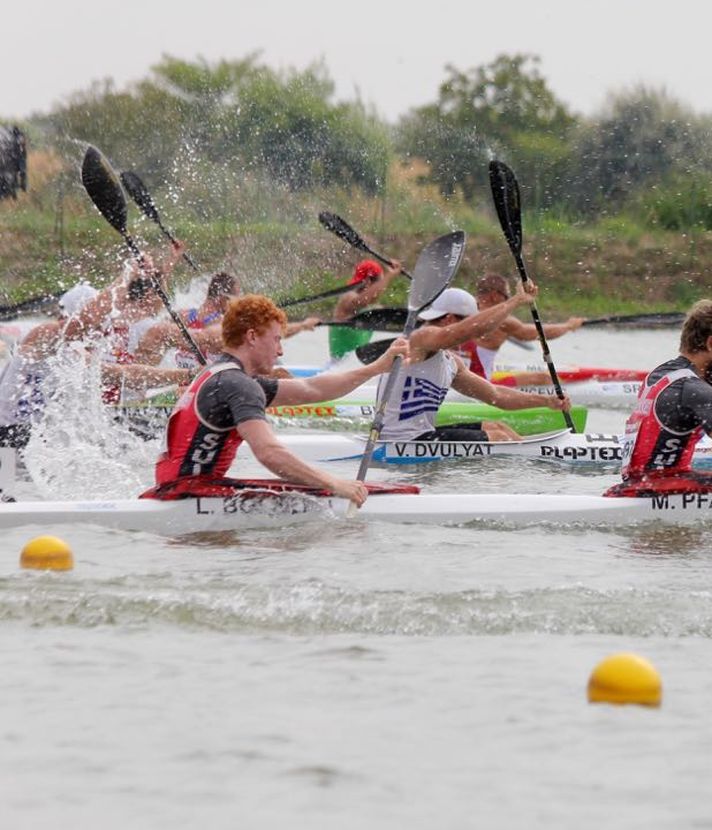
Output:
(436, 266)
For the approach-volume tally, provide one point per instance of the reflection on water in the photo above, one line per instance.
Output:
(664, 540)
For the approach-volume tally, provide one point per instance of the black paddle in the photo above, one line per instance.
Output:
(332, 292)
(652, 319)
(507, 201)
(138, 191)
(104, 189)
(436, 266)
(374, 319)
(31, 306)
(344, 231)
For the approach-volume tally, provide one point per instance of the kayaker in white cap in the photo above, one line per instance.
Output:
(452, 319)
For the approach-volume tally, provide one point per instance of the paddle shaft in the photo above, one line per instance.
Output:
(653, 318)
(186, 256)
(332, 292)
(546, 354)
(379, 416)
(139, 193)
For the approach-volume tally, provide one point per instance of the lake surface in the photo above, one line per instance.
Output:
(356, 675)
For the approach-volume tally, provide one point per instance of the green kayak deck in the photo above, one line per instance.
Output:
(149, 417)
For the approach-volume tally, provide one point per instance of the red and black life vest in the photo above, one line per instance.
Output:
(193, 446)
(651, 449)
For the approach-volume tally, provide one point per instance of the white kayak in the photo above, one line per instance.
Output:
(262, 509)
(562, 446)
(579, 449)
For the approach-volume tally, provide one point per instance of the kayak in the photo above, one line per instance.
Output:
(260, 508)
(360, 413)
(504, 371)
(565, 447)
(562, 446)
(572, 374)
(148, 418)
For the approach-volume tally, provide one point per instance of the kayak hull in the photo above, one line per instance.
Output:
(261, 509)
(562, 446)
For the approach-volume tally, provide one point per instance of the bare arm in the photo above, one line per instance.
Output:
(527, 331)
(434, 338)
(138, 377)
(504, 397)
(163, 336)
(354, 301)
(270, 451)
(330, 385)
(308, 324)
(41, 341)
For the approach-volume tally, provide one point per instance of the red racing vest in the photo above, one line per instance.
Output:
(643, 452)
(468, 352)
(193, 447)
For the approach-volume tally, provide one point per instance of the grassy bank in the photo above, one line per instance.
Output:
(52, 236)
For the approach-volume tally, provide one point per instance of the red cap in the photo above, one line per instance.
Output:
(366, 269)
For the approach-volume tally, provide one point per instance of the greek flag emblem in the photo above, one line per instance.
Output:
(420, 395)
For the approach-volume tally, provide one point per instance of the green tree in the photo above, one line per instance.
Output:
(504, 108)
(642, 138)
(234, 113)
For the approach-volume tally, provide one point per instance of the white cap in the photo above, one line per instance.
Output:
(451, 301)
(74, 300)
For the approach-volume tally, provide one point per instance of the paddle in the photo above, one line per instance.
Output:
(138, 191)
(505, 192)
(649, 320)
(436, 266)
(102, 184)
(374, 319)
(332, 292)
(344, 231)
(35, 304)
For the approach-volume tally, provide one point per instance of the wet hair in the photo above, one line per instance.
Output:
(138, 288)
(221, 284)
(253, 311)
(697, 327)
(493, 282)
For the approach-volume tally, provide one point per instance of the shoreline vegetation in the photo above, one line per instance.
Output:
(51, 237)
(240, 159)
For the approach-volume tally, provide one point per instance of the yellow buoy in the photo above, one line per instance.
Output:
(47, 553)
(625, 678)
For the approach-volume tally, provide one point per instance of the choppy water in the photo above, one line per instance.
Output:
(358, 675)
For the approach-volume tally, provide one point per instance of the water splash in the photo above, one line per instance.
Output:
(79, 449)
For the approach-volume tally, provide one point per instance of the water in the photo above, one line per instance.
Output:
(358, 675)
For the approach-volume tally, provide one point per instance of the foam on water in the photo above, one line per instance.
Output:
(78, 450)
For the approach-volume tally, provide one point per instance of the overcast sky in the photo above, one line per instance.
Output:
(391, 53)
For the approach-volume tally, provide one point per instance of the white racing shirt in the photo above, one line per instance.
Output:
(416, 398)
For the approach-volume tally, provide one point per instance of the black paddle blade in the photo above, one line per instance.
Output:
(139, 193)
(342, 229)
(436, 266)
(380, 319)
(507, 202)
(104, 188)
(372, 351)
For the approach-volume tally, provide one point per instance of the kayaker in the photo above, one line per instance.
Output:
(452, 319)
(493, 290)
(369, 282)
(226, 403)
(674, 411)
(33, 373)
(205, 325)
